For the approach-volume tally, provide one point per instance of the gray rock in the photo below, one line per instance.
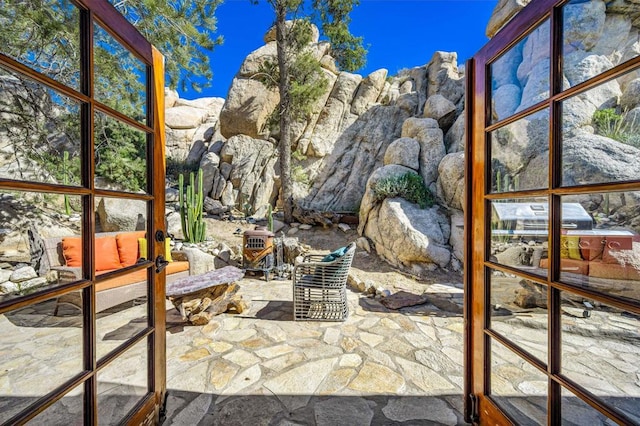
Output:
(363, 243)
(32, 283)
(406, 235)
(454, 139)
(404, 152)
(119, 214)
(583, 24)
(413, 408)
(444, 78)
(228, 196)
(253, 175)
(440, 109)
(631, 96)
(368, 91)
(270, 35)
(430, 137)
(506, 100)
(174, 225)
(170, 97)
(199, 261)
(359, 150)
(23, 274)
(5, 274)
(581, 66)
(451, 184)
(353, 411)
(212, 105)
(9, 287)
(504, 69)
(184, 117)
(225, 170)
(171, 195)
(456, 240)
(536, 88)
(247, 108)
(369, 200)
(502, 13)
(179, 142)
(257, 59)
(212, 206)
(209, 165)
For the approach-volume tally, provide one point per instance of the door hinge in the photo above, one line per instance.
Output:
(473, 404)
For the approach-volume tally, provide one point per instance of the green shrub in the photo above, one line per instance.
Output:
(409, 186)
(298, 174)
(176, 167)
(611, 124)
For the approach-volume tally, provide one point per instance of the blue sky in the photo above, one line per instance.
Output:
(399, 34)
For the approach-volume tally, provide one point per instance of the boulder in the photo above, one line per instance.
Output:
(597, 159)
(359, 150)
(252, 175)
(170, 97)
(631, 96)
(368, 91)
(174, 225)
(184, 117)
(404, 152)
(502, 13)
(504, 69)
(454, 139)
(120, 214)
(179, 142)
(406, 235)
(23, 274)
(209, 165)
(444, 78)
(270, 35)
(581, 66)
(248, 106)
(456, 241)
(212, 105)
(257, 59)
(430, 137)
(583, 24)
(505, 101)
(369, 200)
(199, 261)
(5, 274)
(215, 207)
(440, 109)
(451, 183)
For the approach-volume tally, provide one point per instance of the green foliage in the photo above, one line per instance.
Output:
(298, 156)
(120, 153)
(409, 186)
(299, 175)
(191, 204)
(270, 218)
(611, 124)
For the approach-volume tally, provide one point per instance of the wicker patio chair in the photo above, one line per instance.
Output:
(319, 287)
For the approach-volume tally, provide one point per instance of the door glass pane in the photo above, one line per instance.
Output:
(40, 349)
(33, 230)
(67, 411)
(120, 78)
(602, 252)
(601, 351)
(39, 132)
(26, 36)
(122, 384)
(518, 311)
(597, 36)
(519, 233)
(520, 77)
(520, 154)
(517, 386)
(120, 155)
(576, 412)
(601, 134)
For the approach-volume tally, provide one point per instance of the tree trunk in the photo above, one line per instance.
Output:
(285, 111)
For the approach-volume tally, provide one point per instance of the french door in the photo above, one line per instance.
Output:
(81, 170)
(553, 218)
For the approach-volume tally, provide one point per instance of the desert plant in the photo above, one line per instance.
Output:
(299, 175)
(613, 125)
(409, 186)
(270, 218)
(191, 215)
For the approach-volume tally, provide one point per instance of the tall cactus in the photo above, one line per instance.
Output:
(191, 203)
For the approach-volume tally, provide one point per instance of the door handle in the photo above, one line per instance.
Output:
(161, 263)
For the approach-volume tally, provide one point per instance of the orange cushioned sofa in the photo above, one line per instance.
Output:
(600, 256)
(114, 250)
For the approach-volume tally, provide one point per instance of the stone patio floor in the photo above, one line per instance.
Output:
(379, 367)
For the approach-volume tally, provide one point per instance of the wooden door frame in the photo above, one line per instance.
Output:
(91, 12)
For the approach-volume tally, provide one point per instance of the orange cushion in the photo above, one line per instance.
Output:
(72, 251)
(128, 247)
(569, 265)
(175, 267)
(107, 254)
(138, 276)
(614, 245)
(591, 247)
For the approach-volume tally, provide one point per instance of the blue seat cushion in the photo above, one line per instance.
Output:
(335, 254)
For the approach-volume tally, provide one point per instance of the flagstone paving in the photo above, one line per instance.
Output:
(262, 368)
